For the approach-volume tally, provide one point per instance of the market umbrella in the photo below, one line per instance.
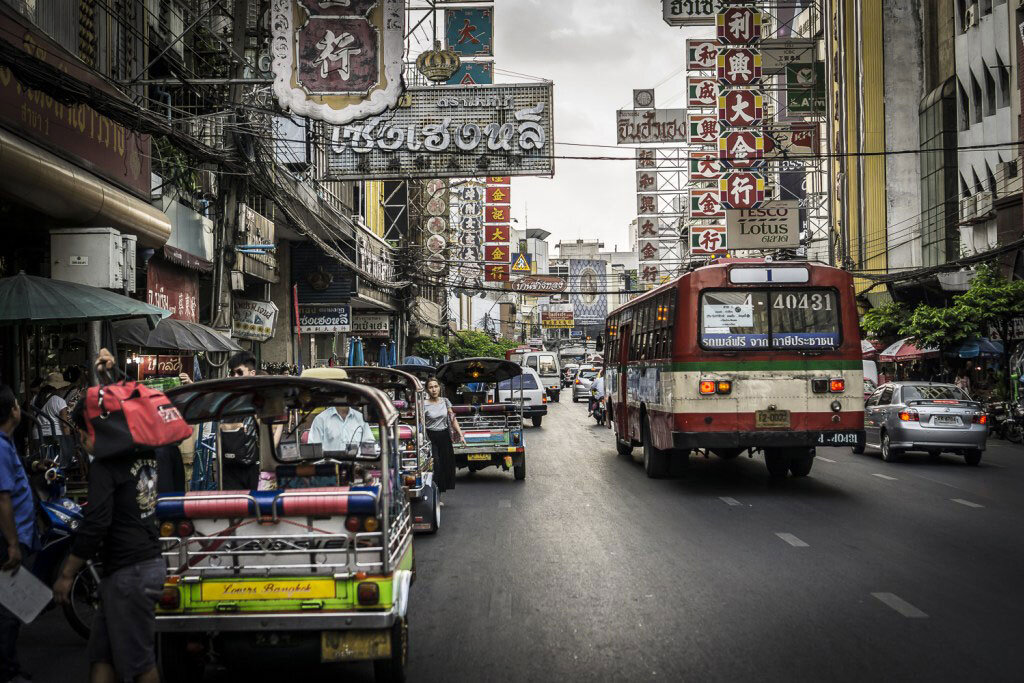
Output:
(173, 334)
(903, 350)
(40, 300)
(382, 355)
(869, 349)
(392, 353)
(416, 360)
(980, 347)
(355, 352)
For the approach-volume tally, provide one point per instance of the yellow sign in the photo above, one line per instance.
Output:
(521, 265)
(478, 456)
(301, 589)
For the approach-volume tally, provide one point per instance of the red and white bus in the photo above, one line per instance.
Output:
(740, 354)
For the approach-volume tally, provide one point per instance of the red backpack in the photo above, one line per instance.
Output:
(128, 416)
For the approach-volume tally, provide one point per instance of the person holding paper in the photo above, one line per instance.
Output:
(17, 526)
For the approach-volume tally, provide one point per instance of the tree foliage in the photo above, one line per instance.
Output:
(884, 323)
(470, 344)
(435, 349)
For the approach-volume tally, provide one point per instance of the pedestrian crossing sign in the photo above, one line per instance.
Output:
(522, 263)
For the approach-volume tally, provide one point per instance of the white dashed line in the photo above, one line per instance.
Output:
(883, 476)
(792, 540)
(728, 501)
(900, 605)
(966, 502)
(992, 464)
(827, 459)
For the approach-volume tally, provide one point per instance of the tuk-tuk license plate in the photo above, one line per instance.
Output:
(354, 646)
(771, 419)
(300, 589)
(479, 457)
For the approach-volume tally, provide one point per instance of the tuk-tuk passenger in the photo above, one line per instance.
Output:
(337, 427)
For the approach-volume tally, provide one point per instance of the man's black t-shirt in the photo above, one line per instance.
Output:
(120, 517)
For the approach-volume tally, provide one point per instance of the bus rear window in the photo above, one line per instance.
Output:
(764, 319)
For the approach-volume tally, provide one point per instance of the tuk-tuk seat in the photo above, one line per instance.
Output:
(340, 500)
(462, 410)
(200, 504)
(405, 433)
(400, 404)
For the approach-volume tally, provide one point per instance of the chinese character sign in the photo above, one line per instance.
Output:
(704, 166)
(497, 229)
(739, 66)
(741, 190)
(740, 108)
(706, 203)
(703, 129)
(701, 92)
(701, 55)
(337, 61)
(741, 149)
(708, 239)
(739, 26)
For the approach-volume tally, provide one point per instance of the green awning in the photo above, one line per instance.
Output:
(39, 300)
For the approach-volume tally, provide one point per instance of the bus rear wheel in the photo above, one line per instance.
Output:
(656, 461)
(801, 466)
(777, 462)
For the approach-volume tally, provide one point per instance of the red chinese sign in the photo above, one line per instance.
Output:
(740, 108)
(497, 229)
(497, 253)
(739, 26)
(705, 166)
(496, 214)
(701, 92)
(174, 289)
(499, 194)
(703, 129)
(706, 203)
(708, 239)
(739, 66)
(496, 233)
(741, 149)
(741, 190)
(496, 273)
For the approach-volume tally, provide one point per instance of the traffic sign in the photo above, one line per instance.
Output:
(740, 108)
(741, 190)
(522, 263)
(739, 66)
(741, 149)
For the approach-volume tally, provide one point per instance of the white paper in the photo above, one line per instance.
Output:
(23, 594)
(730, 315)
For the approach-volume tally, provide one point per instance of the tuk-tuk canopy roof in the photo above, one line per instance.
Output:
(421, 372)
(383, 378)
(273, 396)
(470, 370)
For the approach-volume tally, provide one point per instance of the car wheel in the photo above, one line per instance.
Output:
(575, 398)
(656, 461)
(888, 453)
(973, 458)
(858, 450)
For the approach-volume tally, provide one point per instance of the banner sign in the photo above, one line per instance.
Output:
(163, 366)
(773, 225)
(701, 55)
(173, 289)
(371, 324)
(337, 61)
(497, 229)
(470, 32)
(451, 132)
(557, 316)
(324, 319)
(642, 126)
(708, 239)
(691, 12)
(254, 320)
(539, 284)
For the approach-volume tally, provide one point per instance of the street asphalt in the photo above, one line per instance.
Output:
(588, 570)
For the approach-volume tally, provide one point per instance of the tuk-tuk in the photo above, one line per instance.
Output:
(493, 430)
(320, 572)
(417, 459)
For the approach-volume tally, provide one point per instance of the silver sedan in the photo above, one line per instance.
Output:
(581, 385)
(924, 416)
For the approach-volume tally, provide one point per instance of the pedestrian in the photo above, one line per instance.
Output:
(120, 527)
(240, 441)
(17, 529)
(963, 382)
(54, 415)
(440, 419)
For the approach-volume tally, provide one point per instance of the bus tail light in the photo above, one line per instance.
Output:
(909, 415)
(707, 387)
(724, 387)
(837, 386)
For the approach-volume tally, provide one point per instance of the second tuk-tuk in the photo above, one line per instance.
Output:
(417, 460)
(319, 572)
(493, 429)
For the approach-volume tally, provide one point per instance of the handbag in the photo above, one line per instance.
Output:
(126, 417)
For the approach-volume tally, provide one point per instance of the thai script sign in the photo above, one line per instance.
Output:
(163, 366)
(773, 225)
(371, 324)
(640, 126)
(539, 284)
(690, 12)
(451, 132)
(557, 316)
(253, 319)
(324, 319)
(173, 289)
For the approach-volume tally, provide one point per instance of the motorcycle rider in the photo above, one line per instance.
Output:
(596, 393)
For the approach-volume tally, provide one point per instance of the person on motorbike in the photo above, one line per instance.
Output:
(596, 393)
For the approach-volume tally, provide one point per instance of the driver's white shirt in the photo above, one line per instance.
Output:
(336, 432)
(597, 388)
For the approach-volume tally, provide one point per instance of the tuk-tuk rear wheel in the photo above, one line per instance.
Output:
(392, 669)
(520, 471)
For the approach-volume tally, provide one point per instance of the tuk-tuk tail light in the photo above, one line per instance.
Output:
(352, 523)
(166, 529)
(170, 598)
(371, 523)
(368, 593)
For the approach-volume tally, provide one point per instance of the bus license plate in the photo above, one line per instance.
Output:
(771, 419)
(478, 456)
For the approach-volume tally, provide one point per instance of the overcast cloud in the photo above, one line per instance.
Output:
(596, 52)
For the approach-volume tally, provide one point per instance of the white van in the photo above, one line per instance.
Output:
(546, 365)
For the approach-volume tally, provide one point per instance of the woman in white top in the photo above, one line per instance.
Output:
(440, 420)
(54, 414)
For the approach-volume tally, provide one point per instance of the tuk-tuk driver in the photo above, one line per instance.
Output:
(337, 427)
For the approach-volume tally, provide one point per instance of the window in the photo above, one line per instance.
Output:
(873, 401)
(990, 89)
(762, 319)
(932, 393)
(976, 98)
(1003, 74)
(526, 379)
(886, 396)
(548, 365)
(964, 108)
(531, 362)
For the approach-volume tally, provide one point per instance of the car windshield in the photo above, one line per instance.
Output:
(763, 319)
(588, 374)
(913, 392)
(527, 380)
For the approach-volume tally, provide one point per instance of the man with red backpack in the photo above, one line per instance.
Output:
(120, 528)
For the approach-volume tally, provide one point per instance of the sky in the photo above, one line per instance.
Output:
(596, 52)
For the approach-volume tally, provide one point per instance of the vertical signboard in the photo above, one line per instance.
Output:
(497, 228)
(470, 31)
(588, 285)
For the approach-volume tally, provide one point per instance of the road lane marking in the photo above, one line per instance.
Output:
(826, 459)
(900, 605)
(728, 501)
(966, 502)
(792, 540)
(992, 464)
(505, 503)
(883, 476)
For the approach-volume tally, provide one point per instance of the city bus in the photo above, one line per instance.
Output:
(738, 355)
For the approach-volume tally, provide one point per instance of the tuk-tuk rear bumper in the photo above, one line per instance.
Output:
(332, 621)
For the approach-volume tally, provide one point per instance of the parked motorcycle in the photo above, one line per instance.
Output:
(998, 413)
(1013, 426)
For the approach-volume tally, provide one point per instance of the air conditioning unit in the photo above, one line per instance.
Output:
(984, 206)
(968, 208)
(88, 256)
(971, 16)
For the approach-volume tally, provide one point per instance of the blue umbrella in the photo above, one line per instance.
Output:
(392, 353)
(382, 356)
(355, 357)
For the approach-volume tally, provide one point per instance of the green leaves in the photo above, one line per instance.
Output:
(468, 344)
(884, 323)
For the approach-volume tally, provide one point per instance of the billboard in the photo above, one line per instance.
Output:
(691, 12)
(774, 225)
(640, 126)
(451, 132)
(337, 62)
(554, 316)
(587, 285)
(470, 32)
